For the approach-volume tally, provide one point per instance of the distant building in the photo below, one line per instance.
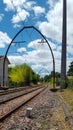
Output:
(1, 70)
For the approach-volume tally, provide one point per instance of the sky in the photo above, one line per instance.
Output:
(29, 46)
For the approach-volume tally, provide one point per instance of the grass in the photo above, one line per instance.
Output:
(43, 125)
(67, 94)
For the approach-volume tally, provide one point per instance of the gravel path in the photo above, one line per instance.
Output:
(45, 115)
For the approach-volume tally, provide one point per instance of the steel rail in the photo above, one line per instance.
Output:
(26, 98)
(9, 96)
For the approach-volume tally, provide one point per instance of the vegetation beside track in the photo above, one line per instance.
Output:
(67, 95)
(21, 75)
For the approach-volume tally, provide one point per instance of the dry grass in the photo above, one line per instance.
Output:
(59, 116)
(58, 120)
(67, 94)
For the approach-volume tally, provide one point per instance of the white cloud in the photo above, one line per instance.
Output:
(1, 16)
(42, 70)
(51, 3)
(70, 49)
(52, 27)
(9, 5)
(21, 8)
(2, 45)
(70, 21)
(36, 44)
(37, 58)
(59, 48)
(38, 10)
(16, 25)
(29, 4)
(42, 55)
(12, 4)
(15, 4)
(4, 39)
(57, 54)
(16, 60)
(57, 65)
(20, 16)
(21, 50)
(18, 3)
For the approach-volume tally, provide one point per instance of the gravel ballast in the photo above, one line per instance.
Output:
(45, 115)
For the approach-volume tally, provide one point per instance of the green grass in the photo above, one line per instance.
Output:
(43, 125)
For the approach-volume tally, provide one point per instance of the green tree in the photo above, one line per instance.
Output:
(35, 77)
(17, 75)
(57, 74)
(47, 78)
(70, 71)
(22, 75)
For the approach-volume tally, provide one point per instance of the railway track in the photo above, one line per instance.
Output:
(47, 112)
(13, 90)
(11, 94)
(12, 104)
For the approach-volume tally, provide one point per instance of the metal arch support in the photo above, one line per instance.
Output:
(44, 69)
(26, 27)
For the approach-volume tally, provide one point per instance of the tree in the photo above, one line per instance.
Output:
(27, 73)
(17, 74)
(35, 77)
(22, 75)
(70, 71)
(47, 78)
(57, 75)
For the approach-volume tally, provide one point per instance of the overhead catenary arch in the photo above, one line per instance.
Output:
(43, 69)
(30, 27)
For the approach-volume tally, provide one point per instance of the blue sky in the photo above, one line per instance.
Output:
(46, 16)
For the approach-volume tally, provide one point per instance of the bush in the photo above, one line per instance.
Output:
(58, 81)
(21, 75)
(70, 83)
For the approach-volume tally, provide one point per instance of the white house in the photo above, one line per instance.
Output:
(1, 70)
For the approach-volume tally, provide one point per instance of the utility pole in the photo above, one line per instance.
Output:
(64, 42)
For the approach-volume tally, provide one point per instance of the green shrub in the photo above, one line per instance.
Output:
(57, 81)
(70, 83)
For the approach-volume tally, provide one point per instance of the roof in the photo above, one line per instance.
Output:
(2, 57)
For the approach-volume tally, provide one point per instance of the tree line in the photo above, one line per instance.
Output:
(21, 75)
(69, 77)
